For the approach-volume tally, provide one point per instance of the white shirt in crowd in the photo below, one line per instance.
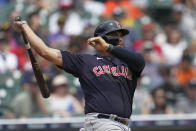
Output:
(66, 103)
(8, 62)
(173, 53)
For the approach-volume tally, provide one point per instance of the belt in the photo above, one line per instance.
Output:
(124, 121)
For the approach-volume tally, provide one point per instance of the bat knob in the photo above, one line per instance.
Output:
(18, 18)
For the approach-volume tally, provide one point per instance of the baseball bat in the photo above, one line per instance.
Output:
(36, 69)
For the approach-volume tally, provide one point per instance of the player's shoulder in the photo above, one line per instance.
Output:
(86, 56)
(81, 56)
(75, 53)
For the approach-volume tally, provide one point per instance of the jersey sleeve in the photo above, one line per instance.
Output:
(72, 63)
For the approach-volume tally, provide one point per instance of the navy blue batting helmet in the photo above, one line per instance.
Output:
(108, 27)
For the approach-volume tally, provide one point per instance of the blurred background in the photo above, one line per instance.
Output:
(163, 31)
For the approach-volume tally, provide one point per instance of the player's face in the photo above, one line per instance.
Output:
(119, 36)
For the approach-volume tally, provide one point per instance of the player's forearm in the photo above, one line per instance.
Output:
(135, 61)
(39, 46)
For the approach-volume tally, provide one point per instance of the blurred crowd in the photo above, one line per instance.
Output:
(163, 31)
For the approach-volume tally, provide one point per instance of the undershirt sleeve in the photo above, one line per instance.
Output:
(134, 60)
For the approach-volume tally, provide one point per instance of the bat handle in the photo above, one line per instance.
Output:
(24, 38)
(27, 45)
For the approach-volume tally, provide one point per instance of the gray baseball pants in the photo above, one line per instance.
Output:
(92, 123)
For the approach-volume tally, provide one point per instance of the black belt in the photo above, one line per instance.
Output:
(124, 121)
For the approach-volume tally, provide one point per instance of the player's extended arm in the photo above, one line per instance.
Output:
(134, 60)
(52, 55)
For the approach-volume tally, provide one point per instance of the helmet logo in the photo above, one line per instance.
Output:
(111, 24)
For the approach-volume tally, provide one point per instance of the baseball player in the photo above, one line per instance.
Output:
(108, 79)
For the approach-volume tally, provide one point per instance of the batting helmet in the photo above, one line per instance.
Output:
(109, 27)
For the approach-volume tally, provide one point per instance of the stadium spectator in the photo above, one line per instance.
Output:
(172, 93)
(27, 103)
(140, 97)
(187, 104)
(169, 84)
(174, 47)
(44, 9)
(157, 104)
(161, 34)
(177, 13)
(95, 9)
(131, 9)
(168, 73)
(73, 23)
(151, 70)
(60, 40)
(9, 36)
(148, 35)
(62, 102)
(185, 71)
(142, 4)
(8, 60)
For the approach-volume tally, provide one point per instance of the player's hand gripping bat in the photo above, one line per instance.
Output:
(36, 69)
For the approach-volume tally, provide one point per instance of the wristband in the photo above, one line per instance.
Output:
(110, 48)
(22, 23)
